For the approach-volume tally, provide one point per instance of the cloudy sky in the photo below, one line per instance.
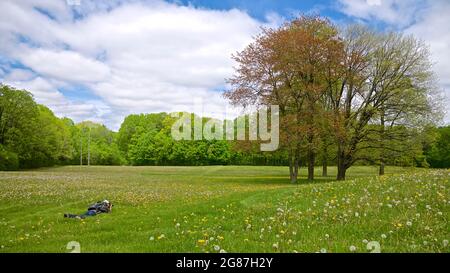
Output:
(102, 60)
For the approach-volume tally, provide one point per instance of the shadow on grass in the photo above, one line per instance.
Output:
(271, 180)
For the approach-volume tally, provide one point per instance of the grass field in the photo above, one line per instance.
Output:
(232, 209)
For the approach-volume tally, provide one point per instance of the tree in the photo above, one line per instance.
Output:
(287, 67)
(379, 69)
(9, 161)
(50, 140)
(31, 132)
(438, 153)
(135, 125)
(99, 143)
(18, 115)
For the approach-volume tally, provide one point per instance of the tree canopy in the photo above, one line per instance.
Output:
(333, 85)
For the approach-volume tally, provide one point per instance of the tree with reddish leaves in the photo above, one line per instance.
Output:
(288, 67)
(333, 86)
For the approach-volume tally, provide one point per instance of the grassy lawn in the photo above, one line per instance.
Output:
(229, 208)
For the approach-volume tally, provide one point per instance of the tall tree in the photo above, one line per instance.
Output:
(287, 67)
(379, 69)
(18, 115)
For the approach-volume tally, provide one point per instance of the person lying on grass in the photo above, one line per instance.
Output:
(100, 207)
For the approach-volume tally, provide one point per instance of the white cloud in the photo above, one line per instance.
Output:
(136, 57)
(433, 29)
(374, 2)
(399, 13)
(19, 75)
(64, 65)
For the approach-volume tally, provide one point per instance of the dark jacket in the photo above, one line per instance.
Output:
(100, 207)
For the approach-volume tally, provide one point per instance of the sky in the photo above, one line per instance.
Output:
(103, 60)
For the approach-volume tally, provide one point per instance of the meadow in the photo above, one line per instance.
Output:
(225, 209)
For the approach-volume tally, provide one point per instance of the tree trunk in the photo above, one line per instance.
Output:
(381, 171)
(89, 148)
(81, 152)
(292, 175)
(341, 172)
(342, 168)
(293, 167)
(311, 158)
(296, 166)
(324, 168)
(293, 170)
(324, 158)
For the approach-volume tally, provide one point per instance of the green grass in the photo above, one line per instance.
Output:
(237, 209)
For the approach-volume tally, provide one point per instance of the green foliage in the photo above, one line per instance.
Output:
(135, 125)
(31, 131)
(18, 117)
(9, 161)
(150, 143)
(438, 154)
(32, 136)
(97, 143)
(50, 140)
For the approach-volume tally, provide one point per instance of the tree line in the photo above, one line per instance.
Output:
(32, 136)
(346, 96)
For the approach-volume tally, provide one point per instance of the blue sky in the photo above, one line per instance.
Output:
(102, 60)
(260, 8)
